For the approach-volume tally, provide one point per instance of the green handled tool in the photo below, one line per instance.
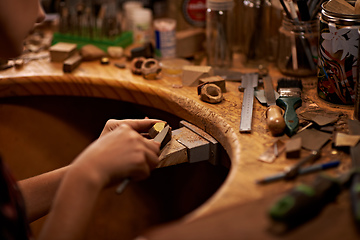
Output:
(305, 201)
(290, 99)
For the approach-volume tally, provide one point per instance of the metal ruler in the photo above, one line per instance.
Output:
(248, 83)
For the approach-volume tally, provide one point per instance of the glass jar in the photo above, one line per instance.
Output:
(255, 31)
(219, 23)
(338, 56)
(298, 47)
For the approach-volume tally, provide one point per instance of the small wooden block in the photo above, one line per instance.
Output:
(172, 154)
(154, 130)
(61, 51)
(91, 52)
(71, 63)
(217, 80)
(346, 140)
(192, 74)
(293, 148)
(198, 147)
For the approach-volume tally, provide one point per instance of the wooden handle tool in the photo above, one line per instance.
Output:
(275, 120)
(274, 115)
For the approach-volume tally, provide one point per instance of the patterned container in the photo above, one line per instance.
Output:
(338, 56)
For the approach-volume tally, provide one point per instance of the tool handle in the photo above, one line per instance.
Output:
(290, 116)
(275, 120)
(355, 198)
(305, 201)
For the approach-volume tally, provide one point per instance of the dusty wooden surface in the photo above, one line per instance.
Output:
(91, 79)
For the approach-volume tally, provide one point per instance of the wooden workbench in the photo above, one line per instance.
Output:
(91, 79)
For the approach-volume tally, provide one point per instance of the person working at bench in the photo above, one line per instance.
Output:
(68, 194)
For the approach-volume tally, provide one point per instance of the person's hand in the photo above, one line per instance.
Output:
(121, 152)
(139, 125)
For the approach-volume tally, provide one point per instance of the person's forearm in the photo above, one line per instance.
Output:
(72, 208)
(39, 192)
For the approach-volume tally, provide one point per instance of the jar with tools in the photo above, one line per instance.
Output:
(297, 52)
(219, 30)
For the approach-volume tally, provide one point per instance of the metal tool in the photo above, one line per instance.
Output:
(292, 172)
(302, 171)
(248, 83)
(274, 118)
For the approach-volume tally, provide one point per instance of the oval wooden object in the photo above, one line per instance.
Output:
(275, 120)
(211, 93)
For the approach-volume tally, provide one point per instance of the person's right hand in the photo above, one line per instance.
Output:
(118, 154)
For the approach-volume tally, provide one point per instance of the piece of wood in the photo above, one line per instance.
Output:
(346, 140)
(71, 63)
(198, 147)
(357, 7)
(313, 139)
(192, 74)
(217, 80)
(293, 148)
(211, 93)
(164, 136)
(61, 51)
(90, 52)
(158, 127)
(339, 6)
(172, 154)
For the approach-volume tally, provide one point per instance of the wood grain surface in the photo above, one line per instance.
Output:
(222, 120)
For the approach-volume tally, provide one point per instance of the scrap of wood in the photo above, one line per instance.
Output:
(61, 51)
(71, 63)
(217, 80)
(192, 74)
(313, 139)
(172, 154)
(346, 140)
(320, 117)
(158, 127)
(272, 152)
(198, 147)
(293, 148)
